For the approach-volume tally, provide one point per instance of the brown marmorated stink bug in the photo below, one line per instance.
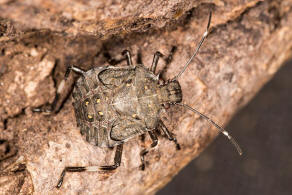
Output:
(113, 104)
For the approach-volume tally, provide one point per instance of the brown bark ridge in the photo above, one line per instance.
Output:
(248, 43)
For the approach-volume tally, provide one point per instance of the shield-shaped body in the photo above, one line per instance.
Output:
(113, 104)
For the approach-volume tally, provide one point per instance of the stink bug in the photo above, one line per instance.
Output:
(115, 103)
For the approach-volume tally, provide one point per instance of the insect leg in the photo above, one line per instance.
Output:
(49, 108)
(117, 162)
(155, 61)
(74, 69)
(168, 60)
(168, 134)
(112, 61)
(69, 169)
(145, 151)
(139, 58)
(128, 56)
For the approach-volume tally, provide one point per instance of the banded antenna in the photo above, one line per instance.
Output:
(221, 129)
(197, 49)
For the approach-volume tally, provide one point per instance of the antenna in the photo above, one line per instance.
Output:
(221, 129)
(195, 53)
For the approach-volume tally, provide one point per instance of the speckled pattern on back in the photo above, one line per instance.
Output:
(114, 104)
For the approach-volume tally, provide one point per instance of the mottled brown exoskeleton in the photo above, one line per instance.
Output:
(113, 104)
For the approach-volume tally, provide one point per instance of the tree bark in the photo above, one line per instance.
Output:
(248, 43)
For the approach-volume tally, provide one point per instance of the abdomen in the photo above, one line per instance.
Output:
(93, 114)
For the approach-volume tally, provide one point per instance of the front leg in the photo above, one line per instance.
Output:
(168, 134)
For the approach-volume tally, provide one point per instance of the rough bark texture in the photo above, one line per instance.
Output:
(249, 41)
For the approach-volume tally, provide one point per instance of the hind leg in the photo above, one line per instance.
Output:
(50, 108)
(117, 163)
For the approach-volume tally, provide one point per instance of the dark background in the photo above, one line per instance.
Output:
(264, 130)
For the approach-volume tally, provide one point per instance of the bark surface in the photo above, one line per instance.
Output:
(248, 43)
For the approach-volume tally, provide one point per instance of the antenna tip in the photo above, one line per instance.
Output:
(239, 150)
(209, 20)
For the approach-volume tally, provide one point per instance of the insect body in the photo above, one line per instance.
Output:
(113, 104)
